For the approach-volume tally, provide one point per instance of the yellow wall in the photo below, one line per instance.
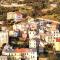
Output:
(57, 46)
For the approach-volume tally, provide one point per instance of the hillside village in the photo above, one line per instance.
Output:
(29, 29)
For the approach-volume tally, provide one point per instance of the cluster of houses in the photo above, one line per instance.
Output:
(37, 32)
(23, 53)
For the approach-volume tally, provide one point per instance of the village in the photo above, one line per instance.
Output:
(25, 34)
(30, 39)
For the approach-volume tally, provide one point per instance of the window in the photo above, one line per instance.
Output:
(33, 56)
(54, 37)
(30, 32)
(15, 54)
(51, 37)
(27, 53)
(54, 34)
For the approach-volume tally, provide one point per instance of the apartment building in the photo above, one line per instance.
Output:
(31, 34)
(32, 43)
(27, 54)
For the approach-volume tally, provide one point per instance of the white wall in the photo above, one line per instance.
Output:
(31, 34)
(32, 44)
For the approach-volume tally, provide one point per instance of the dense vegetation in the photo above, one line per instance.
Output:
(37, 6)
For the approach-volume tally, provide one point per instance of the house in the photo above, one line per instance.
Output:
(57, 40)
(42, 22)
(6, 47)
(55, 33)
(53, 5)
(3, 37)
(10, 15)
(19, 26)
(3, 58)
(32, 43)
(33, 26)
(30, 19)
(16, 33)
(1, 22)
(31, 34)
(13, 55)
(14, 27)
(27, 54)
(11, 33)
(53, 26)
(4, 28)
(49, 38)
(41, 31)
(27, 26)
(24, 35)
(41, 27)
(23, 27)
(48, 25)
(18, 16)
(57, 45)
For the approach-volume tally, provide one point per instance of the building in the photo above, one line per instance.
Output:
(24, 35)
(55, 33)
(10, 15)
(3, 37)
(19, 26)
(3, 58)
(27, 54)
(51, 0)
(32, 43)
(31, 34)
(42, 22)
(49, 38)
(18, 16)
(1, 22)
(41, 31)
(33, 26)
(56, 38)
(11, 33)
(53, 5)
(57, 46)
(13, 55)
(4, 28)
(30, 19)
(53, 26)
